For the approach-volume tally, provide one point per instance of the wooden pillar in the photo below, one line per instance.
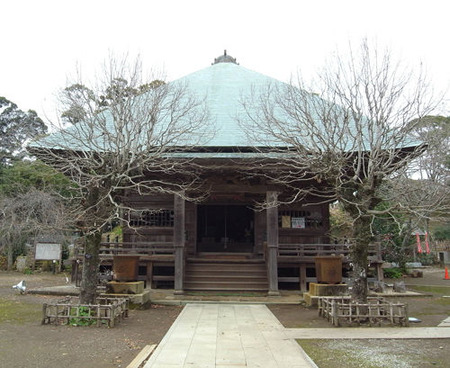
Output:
(303, 277)
(272, 242)
(179, 242)
(150, 274)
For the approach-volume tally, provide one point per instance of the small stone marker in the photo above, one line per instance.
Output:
(416, 273)
(379, 287)
(399, 287)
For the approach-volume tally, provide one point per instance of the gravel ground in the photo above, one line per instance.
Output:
(24, 342)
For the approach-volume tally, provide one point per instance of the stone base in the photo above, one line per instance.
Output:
(317, 290)
(415, 273)
(310, 300)
(117, 287)
(136, 299)
(273, 293)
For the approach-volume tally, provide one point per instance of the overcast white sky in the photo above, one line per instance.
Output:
(43, 41)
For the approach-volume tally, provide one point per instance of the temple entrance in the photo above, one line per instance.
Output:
(225, 228)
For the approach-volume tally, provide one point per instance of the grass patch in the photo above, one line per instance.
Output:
(324, 356)
(18, 312)
(443, 301)
(436, 290)
(361, 353)
(80, 321)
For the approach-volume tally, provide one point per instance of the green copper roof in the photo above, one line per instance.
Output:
(225, 85)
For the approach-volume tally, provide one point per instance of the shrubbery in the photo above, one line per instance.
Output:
(393, 273)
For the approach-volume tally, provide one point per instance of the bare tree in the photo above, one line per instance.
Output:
(345, 142)
(30, 214)
(127, 136)
(427, 196)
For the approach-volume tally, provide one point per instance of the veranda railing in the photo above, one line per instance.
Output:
(309, 251)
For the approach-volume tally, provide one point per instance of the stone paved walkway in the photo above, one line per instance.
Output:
(369, 333)
(228, 335)
(246, 335)
(445, 323)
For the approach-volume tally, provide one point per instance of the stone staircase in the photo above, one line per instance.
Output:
(225, 274)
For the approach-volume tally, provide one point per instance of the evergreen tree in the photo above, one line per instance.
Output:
(16, 128)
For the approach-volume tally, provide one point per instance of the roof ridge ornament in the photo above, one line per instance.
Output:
(224, 59)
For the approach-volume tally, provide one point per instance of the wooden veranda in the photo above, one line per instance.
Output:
(295, 267)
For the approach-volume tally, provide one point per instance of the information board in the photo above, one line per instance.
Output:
(48, 252)
(298, 222)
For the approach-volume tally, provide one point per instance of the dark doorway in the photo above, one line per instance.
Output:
(225, 228)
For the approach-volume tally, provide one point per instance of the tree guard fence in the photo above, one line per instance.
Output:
(106, 312)
(343, 309)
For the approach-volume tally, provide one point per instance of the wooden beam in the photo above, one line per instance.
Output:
(143, 355)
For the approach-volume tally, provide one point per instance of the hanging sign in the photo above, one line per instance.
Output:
(427, 245)
(285, 221)
(298, 222)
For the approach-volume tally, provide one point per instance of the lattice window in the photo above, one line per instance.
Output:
(162, 218)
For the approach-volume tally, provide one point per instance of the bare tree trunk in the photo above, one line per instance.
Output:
(10, 255)
(406, 238)
(359, 253)
(91, 263)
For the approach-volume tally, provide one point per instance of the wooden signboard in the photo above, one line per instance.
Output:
(48, 252)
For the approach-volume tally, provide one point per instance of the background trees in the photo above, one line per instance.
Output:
(433, 169)
(30, 202)
(350, 142)
(16, 128)
(434, 164)
(27, 215)
(24, 175)
(125, 137)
